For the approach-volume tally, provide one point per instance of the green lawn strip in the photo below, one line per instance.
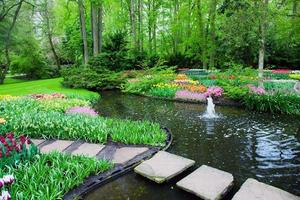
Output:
(51, 176)
(44, 86)
(10, 80)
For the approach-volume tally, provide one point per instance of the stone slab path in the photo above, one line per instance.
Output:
(254, 190)
(163, 166)
(115, 154)
(207, 183)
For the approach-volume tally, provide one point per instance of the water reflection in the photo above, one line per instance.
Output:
(246, 144)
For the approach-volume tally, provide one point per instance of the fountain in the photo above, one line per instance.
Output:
(210, 109)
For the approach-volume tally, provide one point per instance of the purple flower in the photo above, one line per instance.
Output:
(82, 110)
(1, 183)
(5, 196)
(8, 179)
(187, 95)
(214, 92)
(256, 90)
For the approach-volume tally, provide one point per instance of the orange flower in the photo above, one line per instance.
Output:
(195, 88)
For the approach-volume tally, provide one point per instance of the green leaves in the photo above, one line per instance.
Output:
(50, 176)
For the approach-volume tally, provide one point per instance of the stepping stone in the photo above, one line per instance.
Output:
(89, 150)
(207, 183)
(37, 141)
(125, 154)
(58, 145)
(254, 190)
(163, 166)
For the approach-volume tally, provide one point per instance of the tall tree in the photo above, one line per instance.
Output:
(83, 32)
(212, 24)
(133, 22)
(141, 33)
(100, 26)
(47, 16)
(95, 27)
(262, 35)
(5, 67)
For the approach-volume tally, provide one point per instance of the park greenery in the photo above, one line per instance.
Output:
(57, 55)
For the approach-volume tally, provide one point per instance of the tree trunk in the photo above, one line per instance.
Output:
(49, 35)
(95, 28)
(212, 16)
(5, 68)
(262, 27)
(154, 26)
(176, 34)
(141, 34)
(133, 23)
(100, 25)
(149, 26)
(83, 32)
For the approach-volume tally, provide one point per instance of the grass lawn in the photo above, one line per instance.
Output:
(10, 80)
(41, 86)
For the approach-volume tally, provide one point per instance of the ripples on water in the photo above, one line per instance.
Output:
(246, 144)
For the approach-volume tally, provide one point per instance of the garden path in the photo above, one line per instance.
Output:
(117, 154)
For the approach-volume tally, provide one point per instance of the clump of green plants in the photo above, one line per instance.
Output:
(285, 87)
(295, 76)
(136, 132)
(162, 92)
(276, 103)
(50, 176)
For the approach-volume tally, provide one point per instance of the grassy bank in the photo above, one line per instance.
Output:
(41, 86)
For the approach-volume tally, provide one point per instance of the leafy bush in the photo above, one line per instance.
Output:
(277, 103)
(61, 105)
(141, 132)
(89, 78)
(50, 176)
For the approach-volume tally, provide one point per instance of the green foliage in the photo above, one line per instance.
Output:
(61, 105)
(277, 103)
(88, 78)
(295, 76)
(235, 92)
(276, 76)
(162, 92)
(141, 132)
(284, 87)
(50, 176)
(33, 118)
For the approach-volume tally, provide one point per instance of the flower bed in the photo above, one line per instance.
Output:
(37, 119)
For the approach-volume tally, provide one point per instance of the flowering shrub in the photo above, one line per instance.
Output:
(82, 110)
(13, 150)
(48, 96)
(5, 182)
(256, 90)
(214, 92)
(181, 77)
(195, 88)
(187, 95)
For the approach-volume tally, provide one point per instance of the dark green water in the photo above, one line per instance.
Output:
(246, 144)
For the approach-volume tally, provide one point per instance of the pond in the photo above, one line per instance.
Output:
(248, 145)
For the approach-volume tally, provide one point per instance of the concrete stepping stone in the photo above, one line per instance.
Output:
(58, 145)
(163, 166)
(254, 190)
(89, 150)
(37, 141)
(125, 154)
(207, 183)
